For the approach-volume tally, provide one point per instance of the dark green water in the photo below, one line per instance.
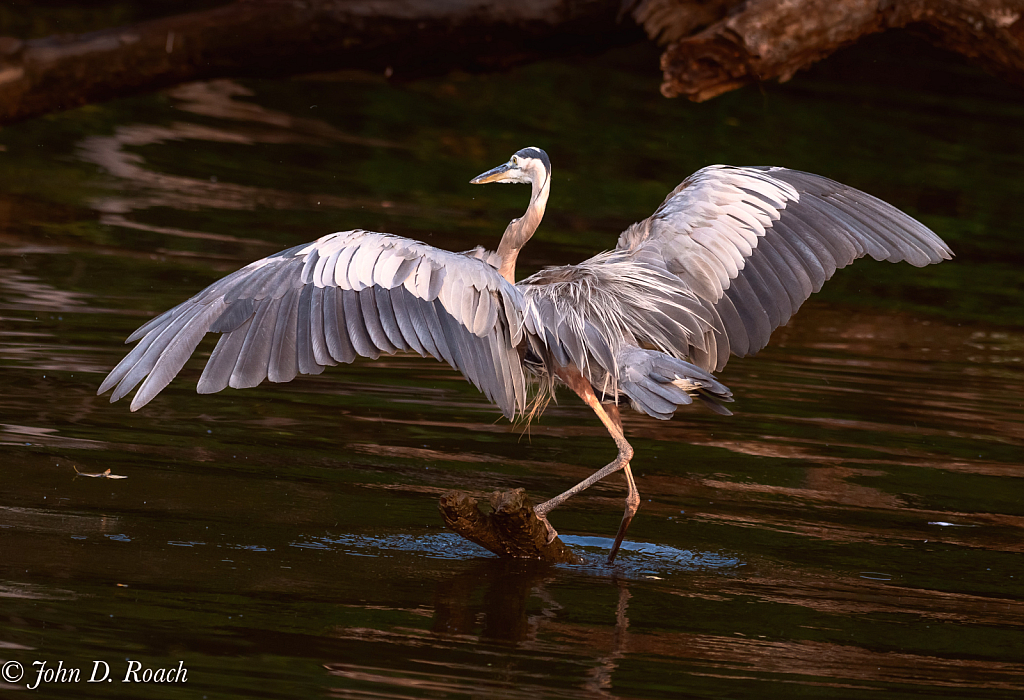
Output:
(855, 530)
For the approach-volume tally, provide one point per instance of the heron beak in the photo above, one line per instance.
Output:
(492, 175)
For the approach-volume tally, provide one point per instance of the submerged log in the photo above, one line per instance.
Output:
(760, 40)
(512, 529)
(282, 37)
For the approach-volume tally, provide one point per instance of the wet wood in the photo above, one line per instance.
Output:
(713, 46)
(404, 38)
(761, 40)
(511, 529)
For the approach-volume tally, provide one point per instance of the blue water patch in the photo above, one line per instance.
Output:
(433, 546)
(645, 559)
(635, 559)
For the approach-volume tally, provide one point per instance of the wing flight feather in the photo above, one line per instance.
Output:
(350, 294)
(755, 242)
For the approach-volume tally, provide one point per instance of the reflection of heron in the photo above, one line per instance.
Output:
(728, 257)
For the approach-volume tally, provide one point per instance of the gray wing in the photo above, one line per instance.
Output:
(349, 294)
(756, 242)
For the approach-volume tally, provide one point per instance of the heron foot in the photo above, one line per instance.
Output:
(552, 532)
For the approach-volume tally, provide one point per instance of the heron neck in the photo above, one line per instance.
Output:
(522, 229)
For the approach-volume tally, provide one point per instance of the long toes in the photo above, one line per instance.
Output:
(552, 533)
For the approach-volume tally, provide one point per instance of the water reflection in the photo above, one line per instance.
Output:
(502, 627)
(491, 623)
(140, 187)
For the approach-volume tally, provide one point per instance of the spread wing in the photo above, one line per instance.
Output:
(345, 295)
(756, 242)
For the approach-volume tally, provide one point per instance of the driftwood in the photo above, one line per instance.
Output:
(712, 45)
(407, 38)
(758, 40)
(512, 529)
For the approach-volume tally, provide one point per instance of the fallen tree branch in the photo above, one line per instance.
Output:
(281, 37)
(712, 45)
(772, 39)
(512, 529)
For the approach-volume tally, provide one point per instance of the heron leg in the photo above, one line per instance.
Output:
(632, 506)
(613, 422)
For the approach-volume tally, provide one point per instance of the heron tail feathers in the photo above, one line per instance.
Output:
(657, 384)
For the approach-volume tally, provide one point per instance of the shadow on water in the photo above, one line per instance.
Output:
(854, 530)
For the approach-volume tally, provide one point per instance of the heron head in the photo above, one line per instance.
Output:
(529, 165)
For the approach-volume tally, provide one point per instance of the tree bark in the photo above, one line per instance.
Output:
(760, 40)
(712, 45)
(280, 37)
(512, 529)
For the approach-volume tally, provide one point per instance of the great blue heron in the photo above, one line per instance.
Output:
(728, 257)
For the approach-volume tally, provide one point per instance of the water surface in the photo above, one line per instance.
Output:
(853, 531)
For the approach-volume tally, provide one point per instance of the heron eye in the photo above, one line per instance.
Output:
(515, 160)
